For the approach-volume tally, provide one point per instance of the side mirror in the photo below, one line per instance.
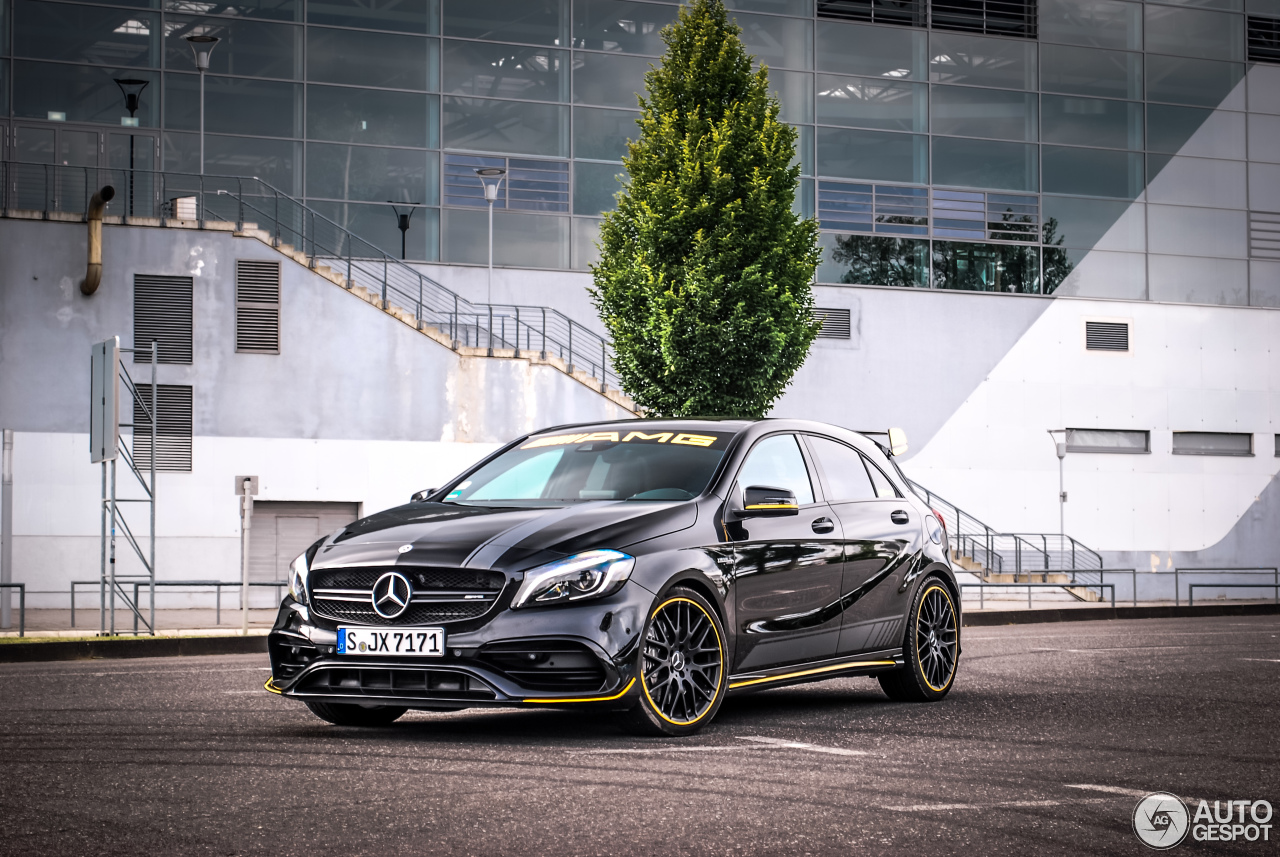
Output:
(421, 496)
(760, 501)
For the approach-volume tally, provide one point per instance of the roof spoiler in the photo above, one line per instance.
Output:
(896, 440)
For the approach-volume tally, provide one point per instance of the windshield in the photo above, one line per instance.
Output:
(597, 465)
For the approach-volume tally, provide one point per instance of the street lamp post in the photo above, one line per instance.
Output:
(201, 48)
(490, 196)
(131, 88)
(1060, 446)
(402, 222)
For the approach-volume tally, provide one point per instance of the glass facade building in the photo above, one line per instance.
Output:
(1097, 147)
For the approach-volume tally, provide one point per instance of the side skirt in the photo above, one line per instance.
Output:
(866, 664)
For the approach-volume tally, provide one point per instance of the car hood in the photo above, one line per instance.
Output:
(450, 535)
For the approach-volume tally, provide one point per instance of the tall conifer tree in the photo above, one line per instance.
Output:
(704, 275)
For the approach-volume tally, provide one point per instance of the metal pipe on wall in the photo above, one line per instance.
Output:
(93, 273)
(6, 529)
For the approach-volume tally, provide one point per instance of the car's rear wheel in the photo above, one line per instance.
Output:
(931, 648)
(681, 667)
(342, 714)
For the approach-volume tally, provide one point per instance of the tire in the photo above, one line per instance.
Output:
(342, 714)
(930, 646)
(682, 667)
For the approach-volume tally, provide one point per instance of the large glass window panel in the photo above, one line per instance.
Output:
(80, 93)
(1198, 181)
(265, 108)
(1099, 274)
(1089, 71)
(777, 42)
(510, 127)
(873, 260)
(1091, 122)
(1194, 33)
(530, 240)
(1179, 230)
(372, 174)
(376, 117)
(1094, 23)
(873, 102)
(371, 59)
(1264, 138)
(621, 26)
(379, 226)
(1192, 81)
(505, 71)
(1092, 172)
(802, 8)
(971, 112)
(537, 22)
(986, 267)
(95, 34)
(1086, 224)
(270, 10)
(602, 135)
(1189, 279)
(1224, 5)
(984, 164)
(1197, 131)
(609, 80)
(1264, 290)
(874, 155)
(594, 186)
(794, 91)
(276, 162)
(4, 90)
(982, 61)
(805, 145)
(1264, 187)
(401, 16)
(897, 53)
(1264, 88)
(249, 48)
(586, 239)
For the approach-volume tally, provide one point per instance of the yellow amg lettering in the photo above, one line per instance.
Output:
(601, 435)
(660, 437)
(694, 439)
(554, 440)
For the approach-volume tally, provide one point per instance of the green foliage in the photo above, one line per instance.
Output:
(704, 275)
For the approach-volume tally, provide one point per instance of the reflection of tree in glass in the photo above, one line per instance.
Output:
(874, 260)
(1056, 264)
(1014, 227)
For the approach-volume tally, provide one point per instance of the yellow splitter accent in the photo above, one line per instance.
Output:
(845, 666)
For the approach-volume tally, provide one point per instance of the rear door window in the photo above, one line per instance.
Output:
(842, 467)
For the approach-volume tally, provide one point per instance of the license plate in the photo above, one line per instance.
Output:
(416, 642)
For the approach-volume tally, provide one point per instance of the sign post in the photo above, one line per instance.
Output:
(6, 529)
(246, 488)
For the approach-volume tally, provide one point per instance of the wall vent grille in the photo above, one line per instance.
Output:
(257, 307)
(1264, 39)
(1106, 335)
(1264, 234)
(836, 323)
(992, 17)
(902, 12)
(162, 312)
(173, 435)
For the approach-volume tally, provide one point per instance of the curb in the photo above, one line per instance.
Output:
(161, 647)
(1090, 614)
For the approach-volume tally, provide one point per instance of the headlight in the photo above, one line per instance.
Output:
(298, 579)
(592, 574)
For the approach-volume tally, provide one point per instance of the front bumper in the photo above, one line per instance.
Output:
(578, 654)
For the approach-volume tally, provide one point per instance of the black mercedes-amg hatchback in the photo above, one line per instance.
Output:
(648, 567)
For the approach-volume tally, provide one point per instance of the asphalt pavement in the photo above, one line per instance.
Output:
(1047, 742)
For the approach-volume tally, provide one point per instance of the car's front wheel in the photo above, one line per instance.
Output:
(682, 664)
(931, 648)
(341, 714)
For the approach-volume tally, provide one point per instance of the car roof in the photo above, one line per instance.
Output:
(735, 425)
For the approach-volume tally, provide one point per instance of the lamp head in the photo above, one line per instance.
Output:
(201, 48)
(491, 188)
(131, 88)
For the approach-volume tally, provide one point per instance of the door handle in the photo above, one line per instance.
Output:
(822, 525)
(899, 517)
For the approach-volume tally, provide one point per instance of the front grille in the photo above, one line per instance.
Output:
(406, 683)
(417, 614)
(439, 594)
(562, 665)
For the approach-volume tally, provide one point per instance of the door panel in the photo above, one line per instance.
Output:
(787, 570)
(281, 531)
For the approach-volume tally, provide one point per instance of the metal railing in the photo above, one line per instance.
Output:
(186, 198)
(216, 585)
(22, 604)
(983, 587)
(1009, 553)
(1192, 587)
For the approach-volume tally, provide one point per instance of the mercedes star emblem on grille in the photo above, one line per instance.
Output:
(391, 595)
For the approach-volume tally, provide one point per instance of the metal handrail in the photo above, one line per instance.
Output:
(982, 588)
(203, 199)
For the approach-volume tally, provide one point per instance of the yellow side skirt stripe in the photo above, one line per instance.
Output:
(617, 695)
(832, 668)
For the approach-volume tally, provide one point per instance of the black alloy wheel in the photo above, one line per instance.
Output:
(682, 667)
(931, 647)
